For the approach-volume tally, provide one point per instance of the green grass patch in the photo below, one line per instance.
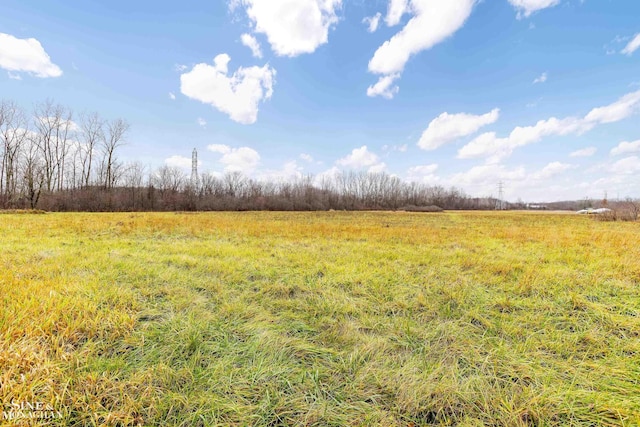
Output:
(323, 319)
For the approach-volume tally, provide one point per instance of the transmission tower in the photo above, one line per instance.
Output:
(194, 168)
(500, 202)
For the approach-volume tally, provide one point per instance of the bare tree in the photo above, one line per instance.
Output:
(134, 180)
(33, 171)
(13, 133)
(235, 183)
(169, 179)
(53, 125)
(114, 137)
(91, 134)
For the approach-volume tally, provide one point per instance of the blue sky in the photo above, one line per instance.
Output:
(543, 95)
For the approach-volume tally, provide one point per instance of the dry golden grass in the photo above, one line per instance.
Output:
(332, 319)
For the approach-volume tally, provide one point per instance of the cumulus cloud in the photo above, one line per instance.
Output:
(495, 149)
(292, 27)
(359, 158)
(448, 127)
(219, 148)
(422, 169)
(540, 79)
(626, 147)
(632, 46)
(389, 148)
(242, 159)
(423, 173)
(237, 95)
(433, 21)
(384, 87)
(327, 176)
(178, 161)
(55, 122)
(627, 166)
(306, 157)
(488, 176)
(249, 41)
(526, 7)
(584, 152)
(26, 55)
(291, 171)
(395, 11)
(372, 22)
(551, 170)
(377, 168)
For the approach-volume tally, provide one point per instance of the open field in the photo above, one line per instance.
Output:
(327, 319)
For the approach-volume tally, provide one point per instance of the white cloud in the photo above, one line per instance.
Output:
(584, 152)
(487, 145)
(54, 122)
(293, 27)
(488, 176)
(202, 122)
(396, 9)
(237, 95)
(26, 55)
(243, 159)
(327, 176)
(422, 170)
(384, 87)
(377, 168)
(389, 148)
(179, 67)
(448, 127)
(632, 46)
(495, 149)
(541, 78)
(551, 170)
(14, 76)
(219, 148)
(621, 109)
(423, 173)
(526, 7)
(626, 147)
(172, 96)
(359, 158)
(372, 22)
(306, 157)
(289, 172)
(626, 166)
(179, 162)
(249, 41)
(433, 22)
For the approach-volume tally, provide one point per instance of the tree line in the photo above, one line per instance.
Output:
(54, 160)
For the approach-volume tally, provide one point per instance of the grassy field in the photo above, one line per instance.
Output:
(321, 319)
